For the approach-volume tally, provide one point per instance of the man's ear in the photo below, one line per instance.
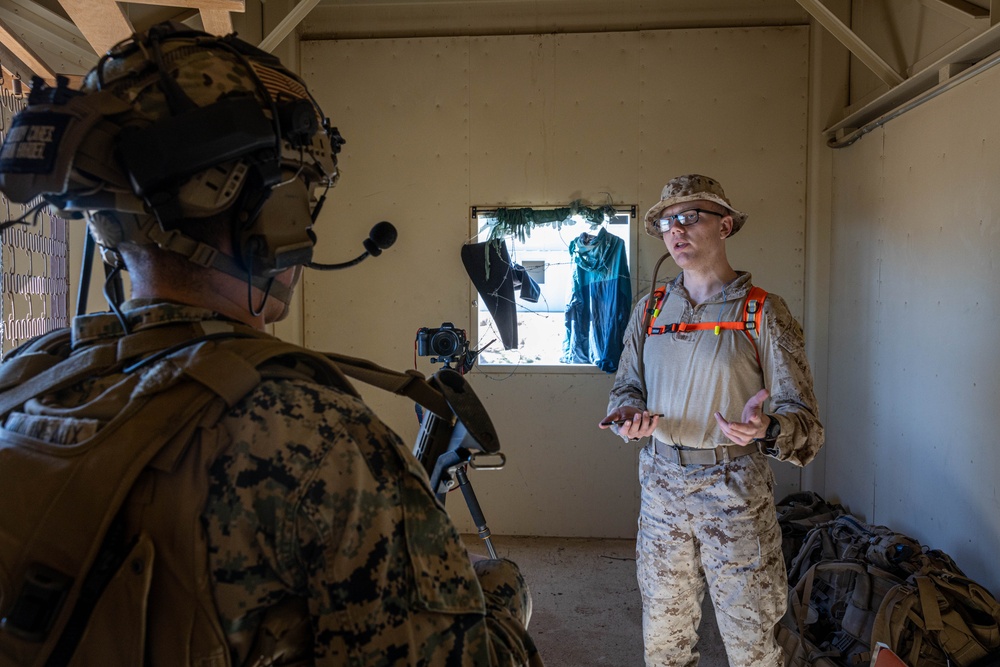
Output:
(727, 225)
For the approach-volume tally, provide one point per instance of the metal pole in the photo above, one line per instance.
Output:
(474, 509)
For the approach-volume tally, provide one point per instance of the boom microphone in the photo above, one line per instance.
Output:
(382, 236)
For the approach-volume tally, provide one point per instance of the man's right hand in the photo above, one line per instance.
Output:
(632, 423)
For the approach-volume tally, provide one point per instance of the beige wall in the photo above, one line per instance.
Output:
(913, 326)
(436, 125)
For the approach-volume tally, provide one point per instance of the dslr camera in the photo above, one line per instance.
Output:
(446, 342)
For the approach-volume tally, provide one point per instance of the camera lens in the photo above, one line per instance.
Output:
(445, 343)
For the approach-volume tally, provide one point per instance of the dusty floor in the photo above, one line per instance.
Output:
(587, 609)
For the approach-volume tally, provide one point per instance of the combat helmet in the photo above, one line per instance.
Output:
(176, 126)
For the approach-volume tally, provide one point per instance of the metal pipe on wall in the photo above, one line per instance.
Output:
(930, 94)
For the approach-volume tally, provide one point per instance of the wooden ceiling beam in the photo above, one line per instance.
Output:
(102, 22)
(216, 21)
(13, 43)
(221, 5)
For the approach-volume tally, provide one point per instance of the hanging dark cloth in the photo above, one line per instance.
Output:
(488, 265)
(600, 303)
(529, 289)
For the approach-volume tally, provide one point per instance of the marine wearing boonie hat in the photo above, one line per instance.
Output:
(691, 187)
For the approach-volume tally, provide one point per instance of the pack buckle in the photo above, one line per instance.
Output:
(42, 594)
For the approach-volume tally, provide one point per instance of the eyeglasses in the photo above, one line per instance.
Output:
(684, 218)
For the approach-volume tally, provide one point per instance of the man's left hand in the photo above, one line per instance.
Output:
(754, 422)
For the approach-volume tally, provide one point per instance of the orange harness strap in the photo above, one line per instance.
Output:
(753, 308)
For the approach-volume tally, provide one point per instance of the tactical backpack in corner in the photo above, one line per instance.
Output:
(939, 619)
(854, 585)
(798, 514)
(833, 609)
(847, 538)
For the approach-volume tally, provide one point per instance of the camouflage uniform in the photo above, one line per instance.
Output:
(316, 501)
(714, 524)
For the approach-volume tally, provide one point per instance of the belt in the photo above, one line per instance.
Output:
(688, 456)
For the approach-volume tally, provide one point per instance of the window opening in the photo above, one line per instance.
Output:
(567, 285)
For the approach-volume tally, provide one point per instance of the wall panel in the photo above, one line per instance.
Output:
(437, 125)
(914, 406)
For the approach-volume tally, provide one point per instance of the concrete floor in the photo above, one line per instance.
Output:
(587, 609)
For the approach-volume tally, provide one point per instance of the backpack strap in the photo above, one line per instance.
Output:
(749, 323)
(652, 311)
(55, 376)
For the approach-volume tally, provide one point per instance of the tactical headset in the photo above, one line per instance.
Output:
(178, 125)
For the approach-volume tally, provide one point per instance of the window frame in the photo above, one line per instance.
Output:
(506, 369)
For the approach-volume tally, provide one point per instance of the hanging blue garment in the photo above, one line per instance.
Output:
(601, 300)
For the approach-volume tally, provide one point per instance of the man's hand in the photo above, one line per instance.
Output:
(753, 424)
(631, 422)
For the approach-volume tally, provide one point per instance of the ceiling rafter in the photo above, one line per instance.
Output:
(16, 47)
(850, 39)
(210, 5)
(38, 42)
(980, 53)
(287, 24)
(102, 22)
(961, 11)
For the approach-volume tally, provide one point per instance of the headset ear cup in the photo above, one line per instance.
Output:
(280, 236)
(298, 121)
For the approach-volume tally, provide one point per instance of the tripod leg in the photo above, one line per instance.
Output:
(474, 509)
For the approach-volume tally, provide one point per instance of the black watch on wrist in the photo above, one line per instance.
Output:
(773, 430)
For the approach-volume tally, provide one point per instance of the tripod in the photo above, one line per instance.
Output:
(447, 445)
(474, 509)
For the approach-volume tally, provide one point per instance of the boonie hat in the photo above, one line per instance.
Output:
(691, 187)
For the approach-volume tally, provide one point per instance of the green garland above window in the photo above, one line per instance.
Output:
(518, 222)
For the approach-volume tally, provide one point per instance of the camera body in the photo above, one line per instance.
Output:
(446, 342)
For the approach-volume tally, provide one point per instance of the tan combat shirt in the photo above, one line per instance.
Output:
(691, 375)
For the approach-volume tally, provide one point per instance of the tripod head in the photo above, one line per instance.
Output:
(449, 443)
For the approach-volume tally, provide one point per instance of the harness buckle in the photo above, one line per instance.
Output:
(43, 591)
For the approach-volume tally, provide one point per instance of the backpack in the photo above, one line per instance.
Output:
(939, 618)
(799, 513)
(846, 538)
(853, 586)
(834, 608)
(74, 566)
